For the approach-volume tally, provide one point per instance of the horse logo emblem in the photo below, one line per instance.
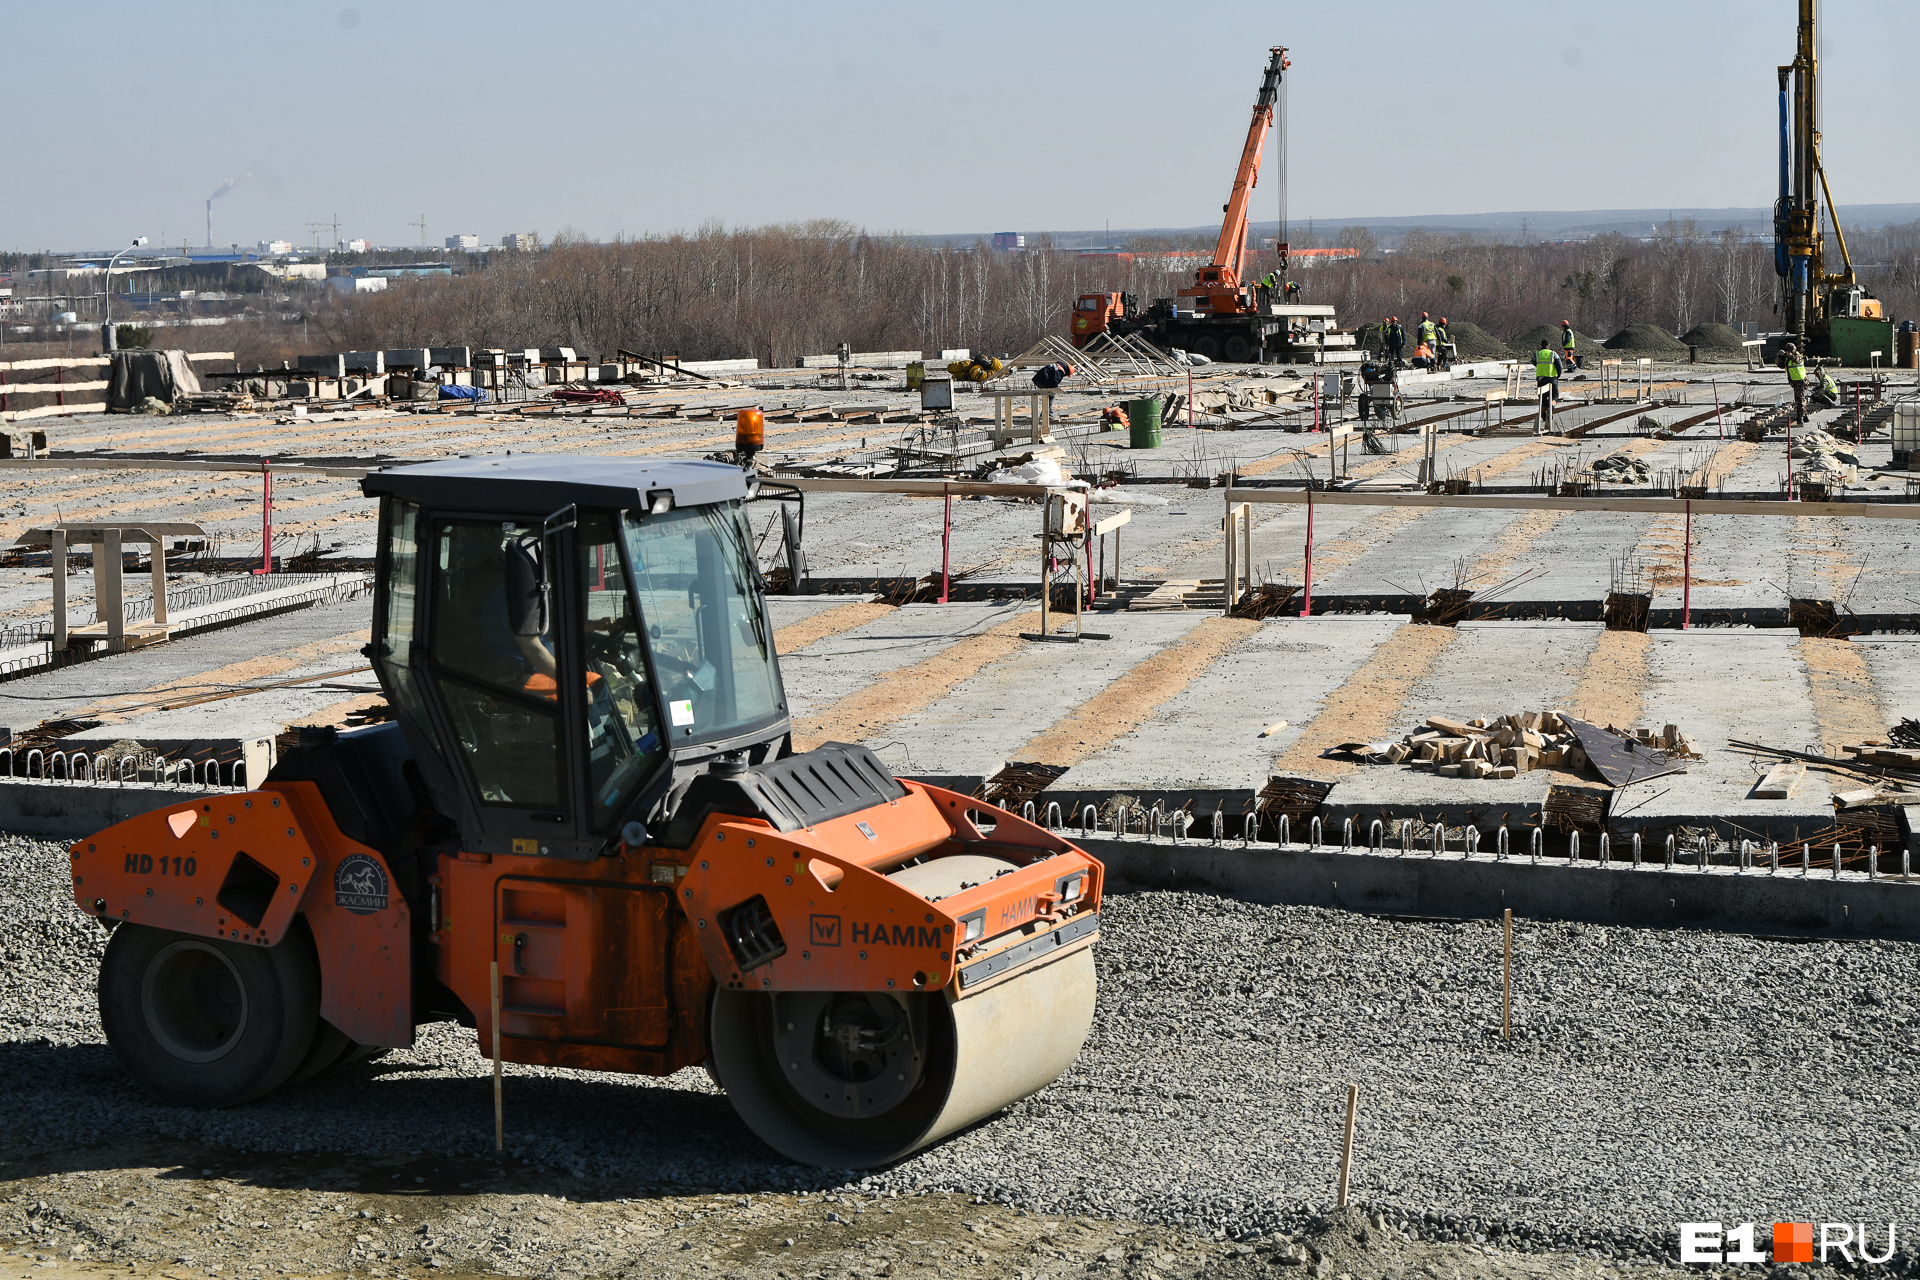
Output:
(360, 884)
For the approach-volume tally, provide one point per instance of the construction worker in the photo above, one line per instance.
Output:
(1797, 379)
(1443, 344)
(1566, 344)
(1425, 330)
(1293, 291)
(1268, 284)
(1396, 339)
(1546, 372)
(1828, 394)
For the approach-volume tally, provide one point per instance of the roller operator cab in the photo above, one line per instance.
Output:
(590, 783)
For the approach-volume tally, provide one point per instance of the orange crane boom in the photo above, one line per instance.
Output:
(1218, 286)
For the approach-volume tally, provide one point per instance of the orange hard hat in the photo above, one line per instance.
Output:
(1566, 322)
(1443, 320)
(1395, 319)
(1425, 316)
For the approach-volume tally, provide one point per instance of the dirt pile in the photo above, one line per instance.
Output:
(1647, 340)
(1549, 334)
(1716, 341)
(1471, 342)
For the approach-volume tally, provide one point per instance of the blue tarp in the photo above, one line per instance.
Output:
(448, 392)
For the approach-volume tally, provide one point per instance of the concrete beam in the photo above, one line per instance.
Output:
(1453, 886)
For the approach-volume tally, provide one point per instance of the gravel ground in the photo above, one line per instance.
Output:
(1653, 1078)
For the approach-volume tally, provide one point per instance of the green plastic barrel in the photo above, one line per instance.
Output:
(1143, 421)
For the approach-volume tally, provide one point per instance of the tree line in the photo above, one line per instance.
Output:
(782, 291)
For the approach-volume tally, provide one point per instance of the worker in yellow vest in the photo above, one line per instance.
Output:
(1797, 379)
(1566, 344)
(1827, 394)
(1546, 372)
(1427, 329)
(1443, 344)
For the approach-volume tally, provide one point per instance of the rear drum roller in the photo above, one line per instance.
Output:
(202, 1022)
(853, 1080)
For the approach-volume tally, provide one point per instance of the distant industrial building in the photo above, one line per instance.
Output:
(1009, 240)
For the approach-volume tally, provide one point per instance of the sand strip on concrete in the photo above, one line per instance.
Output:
(1130, 701)
(861, 716)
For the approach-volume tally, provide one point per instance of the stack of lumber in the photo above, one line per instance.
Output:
(1507, 746)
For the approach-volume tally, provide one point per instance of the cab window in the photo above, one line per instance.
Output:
(494, 660)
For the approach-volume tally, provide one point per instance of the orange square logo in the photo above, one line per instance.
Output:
(1793, 1242)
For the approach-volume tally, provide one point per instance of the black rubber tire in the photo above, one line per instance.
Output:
(1206, 345)
(1237, 349)
(204, 1022)
(330, 1049)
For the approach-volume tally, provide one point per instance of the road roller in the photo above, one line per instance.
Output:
(585, 833)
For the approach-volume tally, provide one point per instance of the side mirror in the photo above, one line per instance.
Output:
(526, 587)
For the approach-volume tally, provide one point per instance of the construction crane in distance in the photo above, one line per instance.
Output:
(1217, 288)
(1828, 313)
(1222, 315)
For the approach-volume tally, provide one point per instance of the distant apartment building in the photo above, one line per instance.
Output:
(354, 246)
(463, 242)
(517, 240)
(274, 248)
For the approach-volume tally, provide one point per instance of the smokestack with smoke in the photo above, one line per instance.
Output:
(219, 191)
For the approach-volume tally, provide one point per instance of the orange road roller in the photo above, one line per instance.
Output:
(589, 784)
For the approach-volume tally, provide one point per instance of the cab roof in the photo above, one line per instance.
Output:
(543, 482)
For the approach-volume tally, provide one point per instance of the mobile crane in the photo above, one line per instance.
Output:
(1223, 315)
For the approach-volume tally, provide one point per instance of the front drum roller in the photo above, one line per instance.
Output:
(854, 1080)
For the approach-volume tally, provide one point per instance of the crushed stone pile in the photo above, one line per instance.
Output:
(1829, 461)
(1620, 469)
(1647, 340)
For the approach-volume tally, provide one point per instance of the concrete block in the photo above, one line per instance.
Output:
(451, 357)
(71, 810)
(556, 355)
(367, 362)
(327, 366)
(410, 358)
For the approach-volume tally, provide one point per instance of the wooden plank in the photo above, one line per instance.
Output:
(1113, 522)
(1648, 506)
(177, 464)
(73, 362)
(209, 355)
(1781, 780)
(50, 411)
(48, 388)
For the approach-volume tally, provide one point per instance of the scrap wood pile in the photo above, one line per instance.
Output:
(1510, 745)
(1888, 769)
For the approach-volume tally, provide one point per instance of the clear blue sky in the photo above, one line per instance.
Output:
(610, 117)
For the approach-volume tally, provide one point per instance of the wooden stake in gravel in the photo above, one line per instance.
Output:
(1506, 1010)
(1346, 1148)
(499, 1124)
